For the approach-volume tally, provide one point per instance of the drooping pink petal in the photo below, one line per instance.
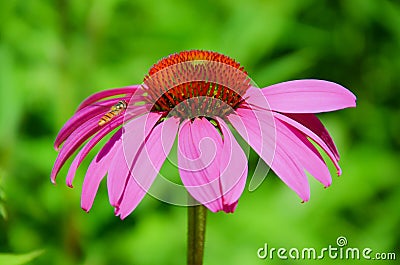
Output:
(259, 131)
(98, 169)
(85, 131)
(308, 96)
(92, 142)
(311, 122)
(322, 142)
(76, 139)
(107, 93)
(82, 117)
(148, 164)
(199, 149)
(118, 174)
(233, 169)
(299, 148)
(287, 168)
(136, 131)
(86, 149)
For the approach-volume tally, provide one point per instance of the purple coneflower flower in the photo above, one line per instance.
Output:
(198, 96)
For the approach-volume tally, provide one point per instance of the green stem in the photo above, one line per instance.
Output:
(196, 232)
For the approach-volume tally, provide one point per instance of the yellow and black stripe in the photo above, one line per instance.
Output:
(114, 111)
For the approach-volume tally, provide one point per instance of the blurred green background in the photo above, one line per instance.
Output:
(53, 54)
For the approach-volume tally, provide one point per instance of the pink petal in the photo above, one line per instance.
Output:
(89, 146)
(148, 164)
(97, 170)
(76, 139)
(107, 93)
(82, 117)
(137, 110)
(308, 96)
(324, 143)
(311, 122)
(233, 169)
(287, 168)
(136, 131)
(199, 148)
(259, 131)
(300, 148)
(118, 173)
(84, 132)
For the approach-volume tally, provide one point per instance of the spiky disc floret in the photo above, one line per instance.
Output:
(196, 83)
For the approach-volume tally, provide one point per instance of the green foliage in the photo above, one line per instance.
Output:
(53, 54)
(3, 212)
(12, 259)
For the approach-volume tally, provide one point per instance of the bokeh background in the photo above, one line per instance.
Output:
(53, 54)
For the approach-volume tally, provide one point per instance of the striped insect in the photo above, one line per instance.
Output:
(115, 110)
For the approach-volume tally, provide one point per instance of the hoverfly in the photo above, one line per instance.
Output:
(115, 110)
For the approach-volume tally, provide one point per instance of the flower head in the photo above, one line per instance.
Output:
(197, 96)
